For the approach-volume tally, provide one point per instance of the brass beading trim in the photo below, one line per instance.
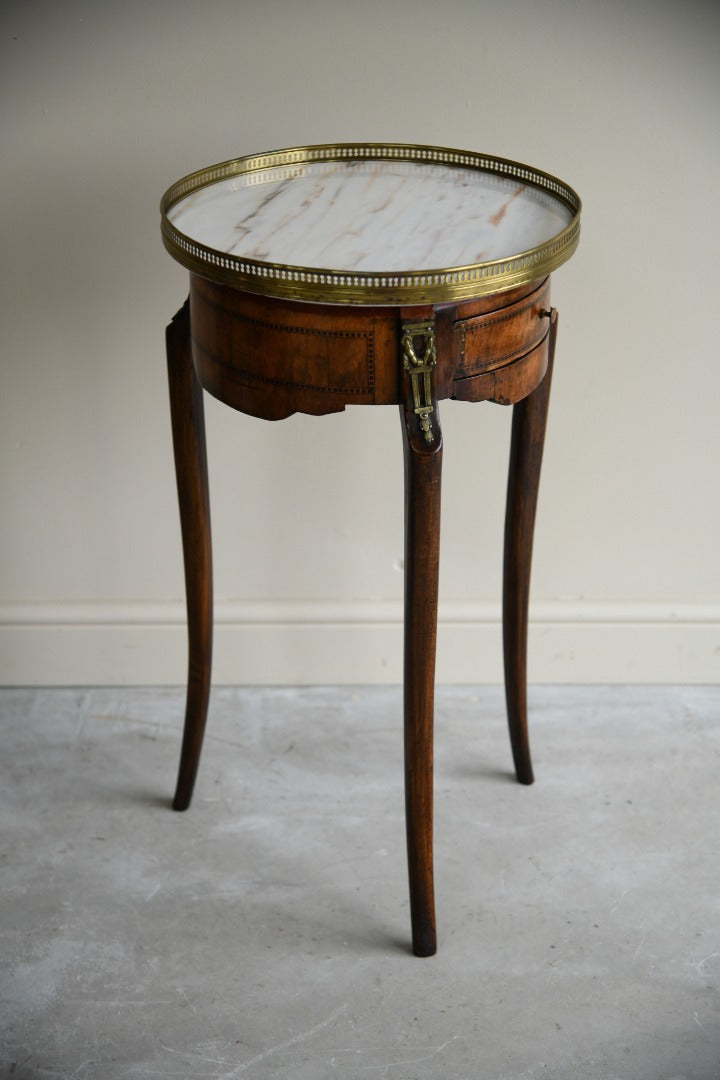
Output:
(333, 286)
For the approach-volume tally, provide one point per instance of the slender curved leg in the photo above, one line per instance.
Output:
(526, 450)
(188, 428)
(422, 443)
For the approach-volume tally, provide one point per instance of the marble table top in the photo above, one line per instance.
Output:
(374, 217)
(367, 216)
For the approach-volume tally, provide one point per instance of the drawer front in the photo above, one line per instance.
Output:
(484, 342)
(509, 382)
(271, 358)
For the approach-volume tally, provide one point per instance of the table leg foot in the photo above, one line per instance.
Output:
(188, 428)
(422, 442)
(526, 450)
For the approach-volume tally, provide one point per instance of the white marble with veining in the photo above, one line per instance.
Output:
(371, 216)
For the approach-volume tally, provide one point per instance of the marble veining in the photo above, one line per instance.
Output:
(371, 216)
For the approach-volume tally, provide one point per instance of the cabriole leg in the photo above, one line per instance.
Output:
(422, 442)
(188, 428)
(526, 450)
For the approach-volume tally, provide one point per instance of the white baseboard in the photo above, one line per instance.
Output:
(301, 643)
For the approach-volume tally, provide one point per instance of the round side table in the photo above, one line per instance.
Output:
(302, 300)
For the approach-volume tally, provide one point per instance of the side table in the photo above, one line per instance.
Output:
(301, 300)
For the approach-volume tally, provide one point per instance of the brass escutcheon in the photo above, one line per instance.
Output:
(418, 364)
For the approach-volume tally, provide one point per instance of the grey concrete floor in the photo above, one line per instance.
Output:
(265, 932)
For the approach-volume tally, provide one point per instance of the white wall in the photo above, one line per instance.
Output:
(103, 105)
